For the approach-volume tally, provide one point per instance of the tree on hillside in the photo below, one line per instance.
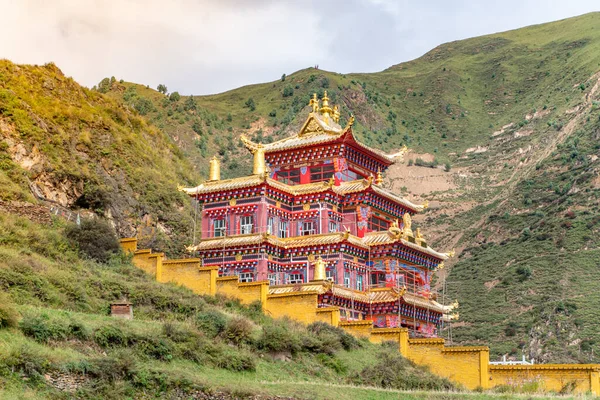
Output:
(175, 96)
(190, 104)
(283, 78)
(288, 91)
(250, 104)
(162, 88)
(104, 85)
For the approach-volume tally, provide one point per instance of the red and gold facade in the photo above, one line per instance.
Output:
(316, 194)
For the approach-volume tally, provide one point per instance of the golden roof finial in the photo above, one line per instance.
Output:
(394, 229)
(379, 179)
(314, 103)
(320, 274)
(325, 109)
(214, 170)
(407, 224)
(260, 166)
(336, 114)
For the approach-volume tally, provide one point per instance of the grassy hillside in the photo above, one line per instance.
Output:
(57, 340)
(79, 149)
(513, 116)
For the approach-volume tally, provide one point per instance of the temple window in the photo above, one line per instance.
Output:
(219, 227)
(246, 277)
(283, 229)
(270, 225)
(273, 279)
(246, 224)
(322, 173)
(290, 177)
(378, 224)
(333, 226)
(330, 275)
(307, 228)
(295, 278)
(359, 282)
(377, 279)
(347, 279)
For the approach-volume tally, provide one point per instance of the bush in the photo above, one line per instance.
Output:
(236, 361)
(175, 97)
(277, 337)
(9, 317)
(26, 360)
(211, 322)
(395, 372)
(238, 331)
(329, 332)
(42, 329)
(110, 336)
(95, 239)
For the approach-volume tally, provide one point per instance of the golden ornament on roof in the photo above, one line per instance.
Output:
(379, 179)
(314, 103)
(325, 109)
(336, 114)
(320, 274)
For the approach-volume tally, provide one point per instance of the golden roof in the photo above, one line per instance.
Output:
(317, 129)
(382, 295)
(323, 239)
(343, 188)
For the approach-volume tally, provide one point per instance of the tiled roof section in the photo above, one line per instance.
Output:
(229, 241)
(307, 188)
(286, 243)
(378, 238)
(386, 295)
(428, 250)
(225, 184)
(386, 193)
(315, 131)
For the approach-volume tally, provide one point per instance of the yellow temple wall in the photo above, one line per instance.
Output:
(183, 272)
(147, 261)
(129, 245)
(330, 315)
(358, 328)
(562, 378)
(299, 306)
(467, 366)
(246, 292)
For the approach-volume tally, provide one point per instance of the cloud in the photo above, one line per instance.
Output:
(202, 46)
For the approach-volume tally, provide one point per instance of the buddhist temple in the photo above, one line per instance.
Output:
(314, 215)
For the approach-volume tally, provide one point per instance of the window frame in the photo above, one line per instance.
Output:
(359, 283)
(246, 277)
(221, 230)
(321, 173)
(297, 278)
(377, 224)
(304, 231)
(244, 226)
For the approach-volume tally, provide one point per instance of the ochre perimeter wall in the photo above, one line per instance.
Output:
(466, 365)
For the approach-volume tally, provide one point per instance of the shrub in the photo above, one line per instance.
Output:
(345, 340)
(175, 97)
(279, 336)
(395, 372)
(42, 329)
(157, 348)
(9, 317)
(95, 239)
(110, 336)
(236, 361)
(26, 360)
(238, 331)
(211, 322)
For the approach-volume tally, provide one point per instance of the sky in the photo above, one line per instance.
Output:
(206, 46)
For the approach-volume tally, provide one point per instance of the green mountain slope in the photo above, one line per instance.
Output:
(79, 149)
(512, 115)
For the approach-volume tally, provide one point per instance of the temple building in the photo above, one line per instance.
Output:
(314, 216)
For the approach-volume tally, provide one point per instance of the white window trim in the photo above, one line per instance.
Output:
(220, 229)
(246, 228)
(295, 278)
(246, 277)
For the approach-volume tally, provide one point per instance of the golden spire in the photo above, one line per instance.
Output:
(314, 103)
(325, 109)
(336, 114)
(260, 166)
(407, 224)
(214, 173)
(320, 274)
(379, 179)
